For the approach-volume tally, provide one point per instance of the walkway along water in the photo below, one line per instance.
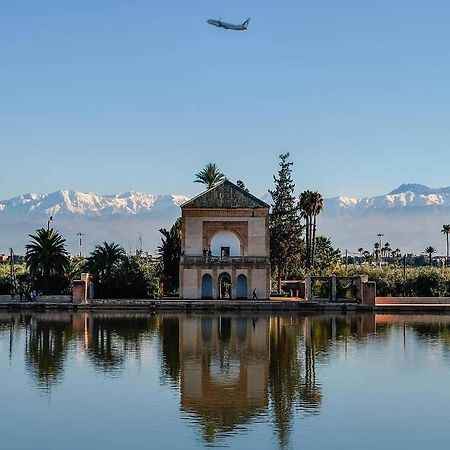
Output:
(358, 294)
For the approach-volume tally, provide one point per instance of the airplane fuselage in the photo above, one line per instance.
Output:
(228, 26)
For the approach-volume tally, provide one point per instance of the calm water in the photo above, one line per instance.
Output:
(136, 381)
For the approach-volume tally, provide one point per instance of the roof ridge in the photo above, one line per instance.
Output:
(257, 203)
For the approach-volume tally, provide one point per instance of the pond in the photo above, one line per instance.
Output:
(138, 381)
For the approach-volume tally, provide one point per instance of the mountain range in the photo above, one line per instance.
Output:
(410, 217)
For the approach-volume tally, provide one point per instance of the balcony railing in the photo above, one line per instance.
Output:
(230, 260)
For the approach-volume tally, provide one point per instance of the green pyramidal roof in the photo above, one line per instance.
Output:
(225, 195)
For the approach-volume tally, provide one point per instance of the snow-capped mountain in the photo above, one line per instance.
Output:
(406, 195)
(89, 204)
(410, 217)
(124, 218)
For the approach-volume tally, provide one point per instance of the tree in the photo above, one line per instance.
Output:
(76, 266)
(305, 203)
(386, 249)
(170, 252)
(430, 250)
(317, 207)
(103, 263)
(135, 278)
(117, 275)
(284, 226)
(47, 260)
(311, 205)
(367, 255)
(396, 255)
(209, 176)
(326, 256)
(446, 230)
(376, 251)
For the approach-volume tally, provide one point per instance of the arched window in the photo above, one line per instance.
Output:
(225, 244)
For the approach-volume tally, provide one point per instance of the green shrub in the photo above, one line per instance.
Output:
(393, 282)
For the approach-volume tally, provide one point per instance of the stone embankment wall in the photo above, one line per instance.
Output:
(412, 301)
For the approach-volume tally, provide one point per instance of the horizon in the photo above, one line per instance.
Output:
(106, 98)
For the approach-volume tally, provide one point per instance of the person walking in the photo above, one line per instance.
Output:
(254, 295)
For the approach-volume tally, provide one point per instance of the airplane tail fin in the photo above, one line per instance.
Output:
(245, 24)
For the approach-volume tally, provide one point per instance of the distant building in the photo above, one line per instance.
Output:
(225, 245)
(17, 259)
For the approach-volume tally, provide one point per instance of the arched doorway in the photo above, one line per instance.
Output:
(241, 287)
(207, 287)
(224, 285)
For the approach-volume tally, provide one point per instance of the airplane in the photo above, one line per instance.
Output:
(229, 26)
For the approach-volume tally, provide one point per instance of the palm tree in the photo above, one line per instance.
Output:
(395, 254)
(446, 231)
(46, 257)
(305, 203)
(209, 176)
(311, 205)
(376, 251)
(430, 250)
(102, 262)
(360, 251)
(317, 208)
(386, 249)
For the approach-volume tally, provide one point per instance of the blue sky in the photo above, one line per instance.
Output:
(110, 96)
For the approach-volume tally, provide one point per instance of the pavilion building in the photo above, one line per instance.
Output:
(225, 245)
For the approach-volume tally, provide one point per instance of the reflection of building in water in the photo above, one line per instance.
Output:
(224, 370)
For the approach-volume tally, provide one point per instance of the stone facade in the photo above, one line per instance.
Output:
(225, 245)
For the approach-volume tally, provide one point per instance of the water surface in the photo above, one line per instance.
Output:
(138, 381)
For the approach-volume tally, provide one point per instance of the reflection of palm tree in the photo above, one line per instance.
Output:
(105, 350)
(46, 350)
(113, 338)
(169, 331)
(310, 394)
(287, 387)
(284, 371)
